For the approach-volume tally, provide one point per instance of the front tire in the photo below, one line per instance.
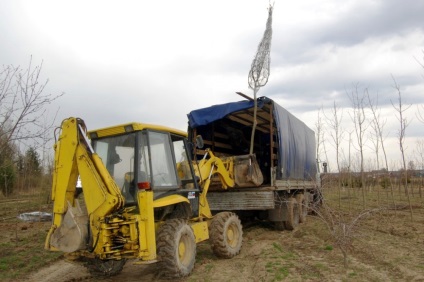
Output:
(176, 248)
(226, 235)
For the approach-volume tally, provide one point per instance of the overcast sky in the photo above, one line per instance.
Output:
(155, 61)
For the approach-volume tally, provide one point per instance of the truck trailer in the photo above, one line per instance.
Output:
(285, 181)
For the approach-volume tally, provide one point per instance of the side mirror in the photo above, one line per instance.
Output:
(199, 142)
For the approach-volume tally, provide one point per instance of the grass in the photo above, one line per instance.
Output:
(328, 248)
(278, 247)
(25, 254)
(208, 268)
(22, 243)
(11, 207)
(278, 261)
(351, 199)
(319, 265)
(352, 274)
(284, 256)
(279, 271)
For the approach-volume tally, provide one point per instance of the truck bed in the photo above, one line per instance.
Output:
(255, 198)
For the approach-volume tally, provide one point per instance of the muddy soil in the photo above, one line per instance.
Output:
(388, 246)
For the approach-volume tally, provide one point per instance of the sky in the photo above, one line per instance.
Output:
(155, 61)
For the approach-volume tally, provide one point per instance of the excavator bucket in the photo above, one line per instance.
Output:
(72, 234)
(247, 172)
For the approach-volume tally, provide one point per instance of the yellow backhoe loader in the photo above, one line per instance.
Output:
(142, 198)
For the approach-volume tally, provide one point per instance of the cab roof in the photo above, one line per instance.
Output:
(132, 127)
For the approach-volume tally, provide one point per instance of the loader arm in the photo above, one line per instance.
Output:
(205, 169)
(233, 171)
(74, 156)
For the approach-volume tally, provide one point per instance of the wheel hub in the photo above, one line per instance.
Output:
(232, 236)
(181, 250)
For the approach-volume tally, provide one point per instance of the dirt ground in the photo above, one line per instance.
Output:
(388, 246)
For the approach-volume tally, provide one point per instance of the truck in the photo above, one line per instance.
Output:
(284, 150)
(142, 197)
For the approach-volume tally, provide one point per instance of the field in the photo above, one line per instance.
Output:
(349, 241)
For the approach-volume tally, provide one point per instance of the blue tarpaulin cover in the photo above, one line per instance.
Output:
(205, 116)
(296, 156)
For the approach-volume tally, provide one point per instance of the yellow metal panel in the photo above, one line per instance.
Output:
(169, 200)
(146, 226)
(120, 129)
(65, 174)
(200, 229)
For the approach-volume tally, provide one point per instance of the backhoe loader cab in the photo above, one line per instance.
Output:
(145, 157)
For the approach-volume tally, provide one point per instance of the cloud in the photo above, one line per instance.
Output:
(156, 61)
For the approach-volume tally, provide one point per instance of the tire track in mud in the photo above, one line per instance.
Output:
(61, 271)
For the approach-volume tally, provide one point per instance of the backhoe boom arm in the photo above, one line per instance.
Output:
(74, 156)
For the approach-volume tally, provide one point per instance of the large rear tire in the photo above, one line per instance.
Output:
(292, 214)
(105, 268)
(226, 235)
(176, 248)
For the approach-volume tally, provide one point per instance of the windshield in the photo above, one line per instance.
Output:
(156, 160)
(163, 173)
(117, 154)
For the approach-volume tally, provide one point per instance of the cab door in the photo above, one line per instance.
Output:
(161, 159)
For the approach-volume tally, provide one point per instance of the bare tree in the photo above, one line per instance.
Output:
(420, 108)
(319, 127)
(419, 113)
(321, 140)
(349, 167)
(361, 124)
(419, 157)
(23, 104)
(418, 61)
(334, 121)
(319, 131)
(403, 121)
(374, 134)
(259, 71)
(343, 228)
(378, 125)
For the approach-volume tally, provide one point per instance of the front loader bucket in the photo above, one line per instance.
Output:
(247, 172)
(72, 234)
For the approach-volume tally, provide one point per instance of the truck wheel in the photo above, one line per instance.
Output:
(176, 248)
(226, 235)
(292, 214)
(302, 203)
(99, 267)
